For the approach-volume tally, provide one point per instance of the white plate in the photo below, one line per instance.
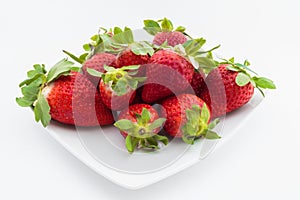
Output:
(103, 150)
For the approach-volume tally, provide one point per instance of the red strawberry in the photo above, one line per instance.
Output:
(172, 38)
(188, 117)
(114, 101)
(197, 82)
(140, 124)
(117, 86)
(127, 58)
(97, 62)
(69, 99)
(168, 73)
(230, 86)
(163, 31)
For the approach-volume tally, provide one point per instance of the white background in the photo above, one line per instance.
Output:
(261, 162)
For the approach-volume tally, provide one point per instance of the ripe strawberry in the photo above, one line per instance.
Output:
(140, 124)
(97, 62)
(117, 86)
(127, 58)
(163, 31)
(197, 82)
(65, 96)
(188, 117)
(168, 73)
(172, 38)
(230, 86)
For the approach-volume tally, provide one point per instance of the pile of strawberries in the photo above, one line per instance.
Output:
(170, 83)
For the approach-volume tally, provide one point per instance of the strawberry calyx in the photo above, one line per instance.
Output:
(192, 51)
(37, 80)
(246, 75)
(198, 125)
(142, 133)
(163, 25)
(120, 80)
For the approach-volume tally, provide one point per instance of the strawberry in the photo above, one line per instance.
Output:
(97, 62)
(188, 117)
(63, 95)
(172, 38)
(169, 73)
(140, 124)
(117, 86)
(164, 32)
(230, 86)
(197, 82)
(128, 57)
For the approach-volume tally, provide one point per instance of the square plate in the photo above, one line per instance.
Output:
(103, 150)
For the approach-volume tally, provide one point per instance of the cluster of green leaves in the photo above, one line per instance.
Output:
(36, 80)
(192, 50)
(198, 125)
(120, 79)
(163, 25)
(244, 75)
(142, 133)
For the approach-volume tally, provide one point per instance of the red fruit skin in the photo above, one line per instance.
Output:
(97, 62)
(196, 83)
(174, 38)
(129, 113)
(173, 109)
(222, 94)
(113, 101)
(75, 100)
(127, 58)
(168, 73)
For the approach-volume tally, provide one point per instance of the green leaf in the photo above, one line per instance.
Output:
(213, 124)
(121, 87)
(108, 68)
(23, 102)
(180, 29)
(87, 47)
(232, 68)
(94, 72)
(157, 123)
(152, 27)
(264, 83)
(124, 124)
(125, 37)
(188, 140)
(152, 141)
(161, 138)
(145, 116)
(132, 83)
(212, 135)
(247, 63)
(166, 25)
(30, 80)
(231, 60)
(75, 58)
(131, 67)
(242, 79)
(205, 113)
(193, 46)
(117, 30)
(142, 48)
(42, 110)
(62, 67)
(205, 63)
(130, 143)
